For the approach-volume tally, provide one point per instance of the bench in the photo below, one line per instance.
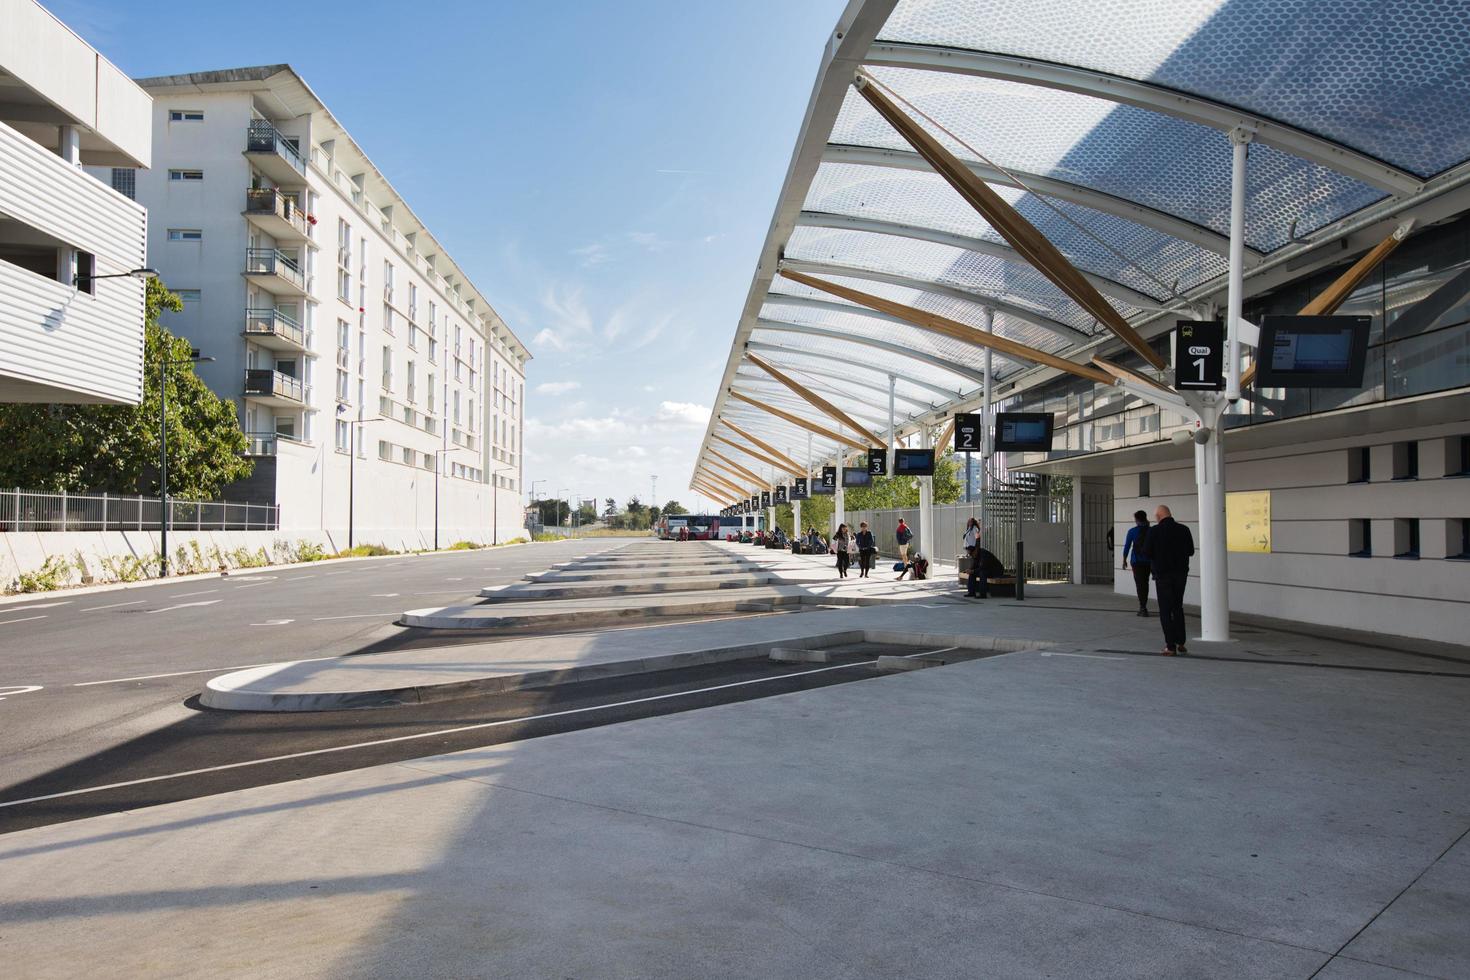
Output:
(994, 585)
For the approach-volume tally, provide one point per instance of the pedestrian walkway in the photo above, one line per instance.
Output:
(1286, 805)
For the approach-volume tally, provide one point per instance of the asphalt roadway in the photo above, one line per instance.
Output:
(81, 674)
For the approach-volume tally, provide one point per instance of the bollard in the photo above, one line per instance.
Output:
(1020, 571)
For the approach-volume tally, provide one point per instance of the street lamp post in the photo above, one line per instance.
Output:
(352, 466)
(495, 502)
(163, 515)
(438, 465)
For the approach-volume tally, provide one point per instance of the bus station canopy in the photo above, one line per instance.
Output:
(1106, 124)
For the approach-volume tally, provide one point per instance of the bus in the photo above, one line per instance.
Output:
(699, 527)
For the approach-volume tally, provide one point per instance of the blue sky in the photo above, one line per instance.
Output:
(605, 172)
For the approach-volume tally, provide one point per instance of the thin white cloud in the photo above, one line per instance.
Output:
(557, 387)
(547, 337)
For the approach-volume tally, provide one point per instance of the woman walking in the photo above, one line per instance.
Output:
(867, 548)
(840, 541)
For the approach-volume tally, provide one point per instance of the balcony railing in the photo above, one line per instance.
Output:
(273, 384)
(269, 200)
(275, 323)
(272, 261)
(262, 137)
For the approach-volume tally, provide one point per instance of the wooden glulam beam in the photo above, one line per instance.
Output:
(1019, 233)
(721, 496)
(737, 483)
(784, 462)
(715, 481)
(753, 453)
(799, 422)
(1328, 300)
(819, 403)
(935, 323)
(944, 436)
(736, 467)
(1122, 373)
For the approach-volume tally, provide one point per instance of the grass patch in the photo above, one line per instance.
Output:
(464, 546)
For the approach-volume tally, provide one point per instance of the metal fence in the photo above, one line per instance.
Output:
(1005, 510)
(27, 510)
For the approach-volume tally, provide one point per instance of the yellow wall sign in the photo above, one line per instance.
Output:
(1248, 521)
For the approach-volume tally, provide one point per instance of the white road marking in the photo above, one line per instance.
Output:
(37, 605)
(299, 578)
(113, 605)
(275, 622)
(460, 579)
(1084, 656)
(23, 619)
(323, 619)
(185, 595)
(327, 574)
(383, 595)
(202, 670)
(6, 692)
(182, 605)
(421, 735)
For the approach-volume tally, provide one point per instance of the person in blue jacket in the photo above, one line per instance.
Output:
(1133, 545)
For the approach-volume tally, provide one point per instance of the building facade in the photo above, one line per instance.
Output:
(67, 335)
(382, 394)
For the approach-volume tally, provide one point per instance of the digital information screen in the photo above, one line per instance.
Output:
(1023, 432)
(1312, 351)
(856, 476)
(913, 462)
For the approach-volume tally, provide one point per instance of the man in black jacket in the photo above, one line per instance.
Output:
(1169, 546)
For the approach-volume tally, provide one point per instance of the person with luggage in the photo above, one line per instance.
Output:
(1168, 547)
(971, 545)
(840, 542)
(904, 536)
(867, 547)
(1133, 545)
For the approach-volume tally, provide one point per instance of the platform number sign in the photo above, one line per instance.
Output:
(780, 496)
(1199, 356)
(765, 499)
(798, 488)
(755, 501)
(829, 479)
(969, 433)
(877, 462)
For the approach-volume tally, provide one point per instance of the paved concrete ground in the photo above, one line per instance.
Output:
(1025, 815)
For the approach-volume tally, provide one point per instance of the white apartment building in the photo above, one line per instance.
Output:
(381, 392)
(71, 319)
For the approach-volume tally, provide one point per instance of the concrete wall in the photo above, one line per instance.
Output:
(1310, 576)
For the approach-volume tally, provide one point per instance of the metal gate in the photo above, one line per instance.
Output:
(1097, 526)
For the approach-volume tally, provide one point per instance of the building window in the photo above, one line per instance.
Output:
(456, 406)
(125, 182)
(408, 373)
(186, 175)
(188, 295)
(185, 235)
(344, 436)
(413, 302)
(387, 281)
(1360, 538)
(1143, 484)
(344, 261)
(429, 399)
(1359, 468)
(1406, 537)
(387, 369)
(1457, 544)
(1406, 460)
(186, 115)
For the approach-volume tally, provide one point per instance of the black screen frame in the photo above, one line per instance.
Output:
(1274, 325)
(904, 454)
(1010, 446)
(850, 471)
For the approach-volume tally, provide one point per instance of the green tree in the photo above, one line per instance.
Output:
(115, 447)
(553, 511)
(673, 509)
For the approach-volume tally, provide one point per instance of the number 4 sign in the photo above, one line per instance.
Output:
(1199, 356)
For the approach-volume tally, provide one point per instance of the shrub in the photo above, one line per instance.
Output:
(53, 574)
(464, 546)
(309, 551)
(365, 551)
(126, 568)
(514, 541)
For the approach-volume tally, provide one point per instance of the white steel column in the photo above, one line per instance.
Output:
(892, 384)
(1077, 530)
(1239, 146)
(986, 439)
(926, 503)
(839, 497)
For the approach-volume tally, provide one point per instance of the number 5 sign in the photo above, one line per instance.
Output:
(1199, 356)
